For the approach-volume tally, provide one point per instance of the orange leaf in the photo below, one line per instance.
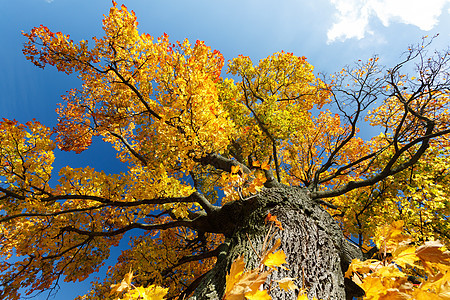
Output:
(265, 165)
(431, 251)
(271, 218)
(235, 169)
(256, 164)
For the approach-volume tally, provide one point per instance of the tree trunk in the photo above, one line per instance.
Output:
(317, 252)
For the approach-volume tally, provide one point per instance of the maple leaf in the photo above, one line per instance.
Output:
(265, 165)
(427, 295)
(432, 252)
(123, 286)
(272, 218)
(394, 294)
(276, 259)
(302, 295)
(287, 284)
(235, 169)
(245, 283)
(150, 293)
(258, 295)
(406, 257)
(236, 270)
(373, 287)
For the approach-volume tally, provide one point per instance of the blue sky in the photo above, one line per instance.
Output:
(330, 33)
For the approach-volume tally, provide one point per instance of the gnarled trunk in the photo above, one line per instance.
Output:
(316, 250)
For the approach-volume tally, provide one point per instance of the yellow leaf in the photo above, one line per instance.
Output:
(235, 169)
(287, 284)
(275, 259)
(252, 280)
(128, 277)
(124, 285)
(446, 294)
(235, 295)
(265, 165)
(359, 266)
(373, 287)
(258, 295)
(236, 270)
(247, 282)
(275, 246)
(406, 257)
(389, 272)
(302, 295)
(395, 294)
(256, 164)
(152, 292)
(156, 292)
(390, 236)
(426, 295)
(356, 279)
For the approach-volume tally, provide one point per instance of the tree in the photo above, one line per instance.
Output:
(209, 157)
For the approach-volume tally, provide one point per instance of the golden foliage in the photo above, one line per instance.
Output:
(389, 278)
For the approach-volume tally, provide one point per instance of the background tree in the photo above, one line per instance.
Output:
(186, 134)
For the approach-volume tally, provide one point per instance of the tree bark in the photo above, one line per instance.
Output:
(316, 250)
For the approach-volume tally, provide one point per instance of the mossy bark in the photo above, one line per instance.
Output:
(317, 252)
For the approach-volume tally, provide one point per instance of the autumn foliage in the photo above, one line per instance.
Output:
(197, 146)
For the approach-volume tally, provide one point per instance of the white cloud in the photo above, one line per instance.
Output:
(353, 16)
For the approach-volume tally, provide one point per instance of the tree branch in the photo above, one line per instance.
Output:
(12, 194)
(264, 129)
(164, 226)
(24, 215)
(387, 170)
(129, 147)
(221, 163)
(189, 258)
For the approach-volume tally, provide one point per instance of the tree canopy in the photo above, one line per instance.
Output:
(195, 142)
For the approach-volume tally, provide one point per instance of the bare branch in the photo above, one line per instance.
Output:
(388, 170)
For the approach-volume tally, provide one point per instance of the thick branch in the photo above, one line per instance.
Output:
(340, 170)
(194, 197)
(164, 226)
(275, 160)
(271, 181)
(12, 194)
(204, 203)
(221, 163)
